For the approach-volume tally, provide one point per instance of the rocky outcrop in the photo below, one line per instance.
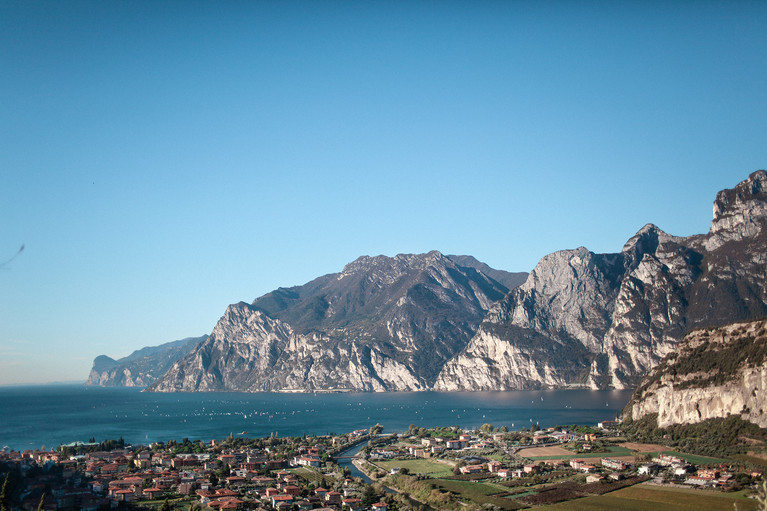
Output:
(142, 367)
(383, 323)
(604, 320)
(715, 373)
(249, 351)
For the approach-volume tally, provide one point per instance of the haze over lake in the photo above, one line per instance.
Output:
(51, 415)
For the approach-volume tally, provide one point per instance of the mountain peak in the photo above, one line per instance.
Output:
(397, 264)
(739, 212)
(646, 240)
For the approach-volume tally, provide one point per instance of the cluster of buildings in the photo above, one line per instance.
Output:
(428, 447)
(223, 479)
(677, 469)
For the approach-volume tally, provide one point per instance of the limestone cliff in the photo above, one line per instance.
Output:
(383, 323)
(604, 320)
(714, 373)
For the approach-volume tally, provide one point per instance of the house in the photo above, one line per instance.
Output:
(609, 424)
(666, 460)
(683, 470)
(277, 499)
(576, 464)
(531, 469)
(593, 478)
(353, 504)
(649, 469)
(333, 497)
(292, 490)
(471, 469)
(614, 464)
(699, 481)
(307, 461)
(153, 493)
(228, 459)
(379, 506)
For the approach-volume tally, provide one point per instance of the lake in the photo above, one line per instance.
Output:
(50, 415)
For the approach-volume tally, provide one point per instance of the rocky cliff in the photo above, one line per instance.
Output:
(383, 323)
(142, 367)
(714, 373)
(604, 320)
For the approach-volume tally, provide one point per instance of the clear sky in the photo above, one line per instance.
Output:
(161, 160)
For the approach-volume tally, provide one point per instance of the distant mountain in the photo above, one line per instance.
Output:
(604, 320)
(714, 373)
(142, 367)
(383, 323)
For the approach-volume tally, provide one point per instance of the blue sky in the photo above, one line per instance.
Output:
(161, 160)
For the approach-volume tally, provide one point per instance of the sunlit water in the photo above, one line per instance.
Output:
(33, 416)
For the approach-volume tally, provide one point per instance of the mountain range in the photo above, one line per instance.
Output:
(433, 321)
(142, 367)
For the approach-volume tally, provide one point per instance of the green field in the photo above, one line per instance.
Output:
(652, 498)
(420, 466)
(470, 486)
(479, 493)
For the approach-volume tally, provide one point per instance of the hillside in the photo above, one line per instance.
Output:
(715, 373)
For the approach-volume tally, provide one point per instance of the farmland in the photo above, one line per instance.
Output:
(652, 498)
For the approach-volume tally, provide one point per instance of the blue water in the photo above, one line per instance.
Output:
(50, 415)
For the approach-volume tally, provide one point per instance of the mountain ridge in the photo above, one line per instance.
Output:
(382, 323)
(619, 314)
(431, 321)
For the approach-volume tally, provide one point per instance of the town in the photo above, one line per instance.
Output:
(420, 469)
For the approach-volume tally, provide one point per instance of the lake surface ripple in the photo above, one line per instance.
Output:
(50, 415)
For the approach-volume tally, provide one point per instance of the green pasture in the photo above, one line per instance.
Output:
(420, 466)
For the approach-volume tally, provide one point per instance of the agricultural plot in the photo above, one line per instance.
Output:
(420, 466)
(544, 452)
(479, 493)
(612, 451)
(313, 476)
(653, 498)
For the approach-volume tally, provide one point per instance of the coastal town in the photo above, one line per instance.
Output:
(440, 468)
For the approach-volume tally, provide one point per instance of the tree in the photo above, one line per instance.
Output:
(369, 496)
(4, 494)
(166, 506)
